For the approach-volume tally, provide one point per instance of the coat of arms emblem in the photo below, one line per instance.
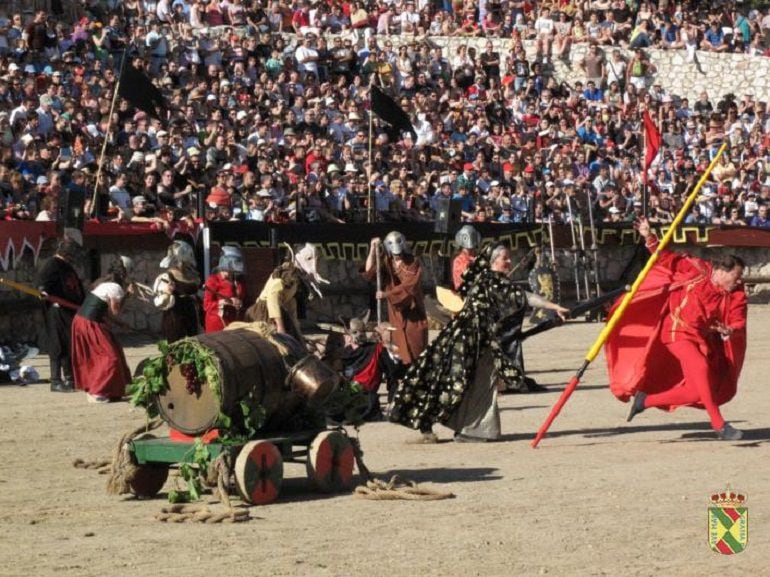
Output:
(728, 522)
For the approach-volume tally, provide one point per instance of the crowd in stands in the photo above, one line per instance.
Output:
(268, 116)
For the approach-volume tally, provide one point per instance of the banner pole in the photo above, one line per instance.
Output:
(108, 133)
(369, 195)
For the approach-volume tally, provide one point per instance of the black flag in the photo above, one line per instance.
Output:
(389, 111)
(137, 88)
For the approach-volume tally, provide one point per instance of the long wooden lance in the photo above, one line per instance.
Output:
(621, 309)
(32, 291)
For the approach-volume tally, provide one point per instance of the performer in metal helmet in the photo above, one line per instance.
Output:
(175, 292)
(469, 241)
(401, 275)
(395, 244)
(99, 364)
(224, 292)
(58, 278)
(399, 282)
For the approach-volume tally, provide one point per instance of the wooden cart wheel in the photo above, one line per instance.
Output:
(259, 472)
(330, 462)
(148, 480)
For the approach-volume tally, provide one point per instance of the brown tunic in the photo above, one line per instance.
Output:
(406, 307)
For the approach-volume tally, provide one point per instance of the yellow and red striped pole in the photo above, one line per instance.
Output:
(618, 314)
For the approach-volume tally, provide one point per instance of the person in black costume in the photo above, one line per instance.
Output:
(59, 279)
(454, 381)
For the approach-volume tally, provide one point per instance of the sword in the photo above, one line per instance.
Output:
(32, 291)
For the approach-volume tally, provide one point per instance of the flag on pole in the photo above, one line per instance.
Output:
(389, 111)
(653, 139)
(139, 90)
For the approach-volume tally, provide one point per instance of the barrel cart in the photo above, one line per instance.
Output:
(277, 374)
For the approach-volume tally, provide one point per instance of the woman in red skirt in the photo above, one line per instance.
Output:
(99, 365)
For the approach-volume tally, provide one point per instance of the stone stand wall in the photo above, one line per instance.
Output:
(716, 74)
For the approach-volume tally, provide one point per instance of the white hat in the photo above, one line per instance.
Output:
(193, 151)
(138, 199)
(241, 115)
(350, 167)
(161, 133)
(264, 192)
(211, 97)
(354, 116)
(13, 67)
(332, 168)
(614, 210)
(494, 183)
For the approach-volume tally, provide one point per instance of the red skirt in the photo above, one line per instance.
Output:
(98, 362)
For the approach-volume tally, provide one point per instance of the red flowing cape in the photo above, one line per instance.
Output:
(636, 359)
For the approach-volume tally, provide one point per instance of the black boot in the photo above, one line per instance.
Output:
(637, 405)
(65, 386)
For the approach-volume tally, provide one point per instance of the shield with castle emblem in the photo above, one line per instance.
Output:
(728, 522)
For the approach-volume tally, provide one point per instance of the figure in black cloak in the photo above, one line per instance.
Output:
(58, 278)
(454, 381)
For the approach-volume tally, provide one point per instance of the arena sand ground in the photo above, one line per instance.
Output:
(599, 497)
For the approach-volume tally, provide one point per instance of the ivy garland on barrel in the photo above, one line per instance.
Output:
(198, 366)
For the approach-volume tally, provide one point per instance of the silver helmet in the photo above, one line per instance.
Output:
(231, 259)
(179, 252)
(395, 243)
(468, 237)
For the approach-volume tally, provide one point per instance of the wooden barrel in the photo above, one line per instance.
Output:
(246, 363)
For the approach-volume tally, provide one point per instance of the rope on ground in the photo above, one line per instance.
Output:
(185, 512)
(102, 467)
(396, 488)
(123, 467)
(223, 481)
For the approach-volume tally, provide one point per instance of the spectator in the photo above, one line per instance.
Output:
(760, 220)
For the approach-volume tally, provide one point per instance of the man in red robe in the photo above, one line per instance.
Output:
(224, 293)
(682, 340)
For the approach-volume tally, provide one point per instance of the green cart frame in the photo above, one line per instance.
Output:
(257, 466)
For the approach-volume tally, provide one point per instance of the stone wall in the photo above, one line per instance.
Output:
(717, 74)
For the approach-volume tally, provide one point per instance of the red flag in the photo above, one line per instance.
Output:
(652, 138)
